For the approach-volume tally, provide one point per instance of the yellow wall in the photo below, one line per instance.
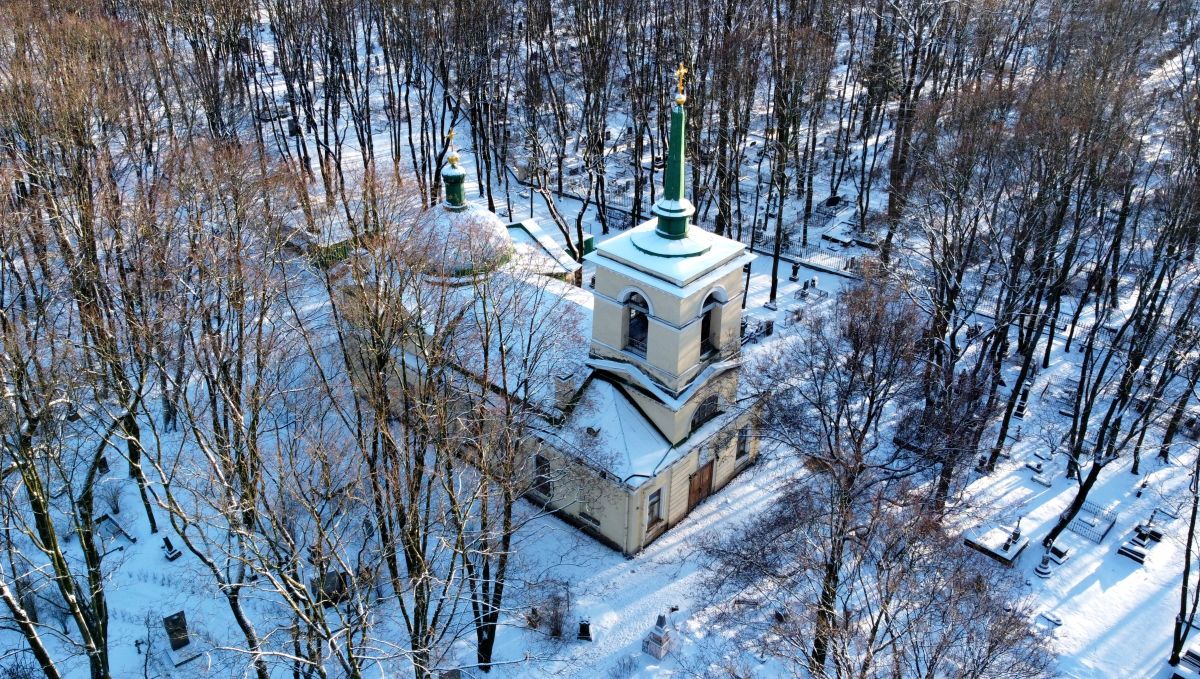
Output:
(673, 341)
(621, 510)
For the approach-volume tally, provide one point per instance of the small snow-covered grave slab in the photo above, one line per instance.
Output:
(838, 238)
(996, 542)
(1189, 665)
(108, 527)
(1133, 551)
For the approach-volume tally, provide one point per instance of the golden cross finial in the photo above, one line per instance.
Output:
(453, 151)
(679, 73)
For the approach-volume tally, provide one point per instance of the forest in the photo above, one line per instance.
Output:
(214, 331)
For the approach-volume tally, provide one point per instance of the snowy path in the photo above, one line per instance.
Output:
(622, 597)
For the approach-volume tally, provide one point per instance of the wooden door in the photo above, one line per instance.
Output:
(701, 485)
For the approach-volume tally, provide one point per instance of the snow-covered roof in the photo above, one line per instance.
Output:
(543, 324)
(540, 252)
(674, 402)
(607, 429)
(459, 241)
(679, 271)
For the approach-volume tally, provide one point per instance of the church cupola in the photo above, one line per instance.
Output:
(673, 209)
(453, 177)
(458, 240)
(673, 235)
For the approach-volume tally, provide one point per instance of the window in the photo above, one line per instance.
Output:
(541, 477)
(709, 408)
(654, 508)
(637, 322)
(709, 339)
(743, 444)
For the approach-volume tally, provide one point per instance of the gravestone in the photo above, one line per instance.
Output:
(659, 641)
(108, 528)
(1059, 555)
(177, 632)
(997, 542)
(169, 549)
(1133, 551)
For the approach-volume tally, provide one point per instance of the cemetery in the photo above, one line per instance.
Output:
(450, 342)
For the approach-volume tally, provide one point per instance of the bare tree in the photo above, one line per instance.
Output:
(838, 378)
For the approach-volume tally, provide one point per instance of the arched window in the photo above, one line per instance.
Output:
(709, 408)
(709, 326)
(637, 321)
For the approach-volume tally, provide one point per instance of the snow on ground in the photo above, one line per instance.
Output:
(622, 597)
(1116, 616)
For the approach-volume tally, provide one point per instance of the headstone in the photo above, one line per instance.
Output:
(1004, 546)
(1133, 551)
(177, 632)
(1052, 618)
(659, 641)
(1059, 555)
(169, 549)
(585, 630)
(1043, 568)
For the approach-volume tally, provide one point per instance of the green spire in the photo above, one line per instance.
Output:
(673, 209)
(454, 176)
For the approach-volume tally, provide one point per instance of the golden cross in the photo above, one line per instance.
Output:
(682, 71)
(453, 157)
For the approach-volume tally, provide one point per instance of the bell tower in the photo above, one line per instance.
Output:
(667, 306)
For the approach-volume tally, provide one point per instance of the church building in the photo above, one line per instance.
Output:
(646, 419)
